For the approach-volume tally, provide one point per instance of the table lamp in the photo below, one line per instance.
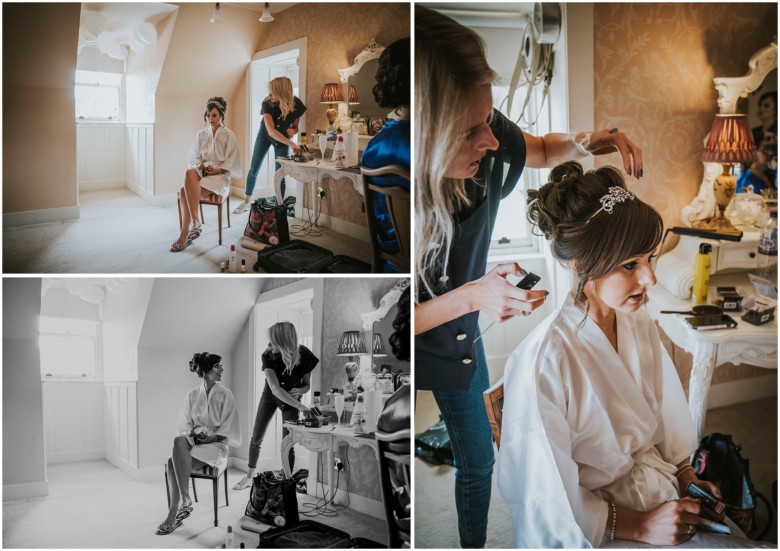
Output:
(730, 142)
(353, 95)
(331, 94)
(379, 346)
(351, 345)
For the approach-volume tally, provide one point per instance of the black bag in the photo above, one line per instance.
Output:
(273, 500)
(433, 446)
(718, 459)
(268, 222)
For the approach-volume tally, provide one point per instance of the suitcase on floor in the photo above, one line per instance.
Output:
(310, 534)
(302, 257)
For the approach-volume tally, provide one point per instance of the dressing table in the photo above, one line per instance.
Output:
(730, 264)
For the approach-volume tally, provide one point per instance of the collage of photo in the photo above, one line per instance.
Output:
(418, 274)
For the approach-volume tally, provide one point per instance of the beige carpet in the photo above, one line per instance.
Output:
(753, 425)
(118, 232)
(95, 505)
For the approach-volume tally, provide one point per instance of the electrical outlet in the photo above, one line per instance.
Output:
(338, 465)
(321, 192)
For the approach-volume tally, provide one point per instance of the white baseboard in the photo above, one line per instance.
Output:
(163, 200)
(102, 184)
(350, 229)
(67, 457)
(148, 474)
(743, 390)
(25, 491)
(42, 216)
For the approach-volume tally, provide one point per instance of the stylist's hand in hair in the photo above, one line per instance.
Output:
(603, 142)
(498, 298)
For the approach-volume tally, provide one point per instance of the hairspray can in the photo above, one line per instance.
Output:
(701, 274)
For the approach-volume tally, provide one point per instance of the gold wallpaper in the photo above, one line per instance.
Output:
(336, 33)
(654, 65)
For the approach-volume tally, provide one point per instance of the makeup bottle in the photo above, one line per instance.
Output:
(701, 275)
(232, 259)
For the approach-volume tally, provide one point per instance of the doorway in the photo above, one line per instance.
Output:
(288, 60)
(301, 304)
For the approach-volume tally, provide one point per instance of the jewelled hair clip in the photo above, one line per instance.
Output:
(222, 107)
(616, 195)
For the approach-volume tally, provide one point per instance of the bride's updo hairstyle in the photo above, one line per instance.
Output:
(567, 211)
(202, 362)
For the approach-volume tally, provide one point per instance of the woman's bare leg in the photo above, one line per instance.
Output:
(191, 198)
(181, 463)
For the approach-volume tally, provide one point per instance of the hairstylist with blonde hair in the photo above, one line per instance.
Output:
(462, 145)
(287, 367)
(281, 112)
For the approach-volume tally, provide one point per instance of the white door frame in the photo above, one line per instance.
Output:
(272, 56)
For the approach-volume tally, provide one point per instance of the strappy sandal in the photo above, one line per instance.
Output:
(179, 246)
(195, 233)
(183, 512)
(166, 528)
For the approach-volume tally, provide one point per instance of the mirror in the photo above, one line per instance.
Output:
(361, 75)
(762, 70)
(380, 321)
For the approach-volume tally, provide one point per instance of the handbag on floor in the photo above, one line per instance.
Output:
(718, 459)
(273, 500)
(268, 222)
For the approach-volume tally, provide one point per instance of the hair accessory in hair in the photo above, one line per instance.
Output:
(616, 195)
(219, 105)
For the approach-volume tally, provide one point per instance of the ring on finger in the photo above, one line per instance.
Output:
(690, 529)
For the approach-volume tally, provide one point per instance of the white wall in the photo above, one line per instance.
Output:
(140, 159)
(73, 420)
(124, 312)
(100, 152)
(120, 425)
(24, 464)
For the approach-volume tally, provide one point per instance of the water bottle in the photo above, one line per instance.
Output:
(340, 153)
(359, 416)
(315, 401)
(767, 249)
(229, 542)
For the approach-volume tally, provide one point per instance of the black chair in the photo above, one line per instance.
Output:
(210, 473)
(393, 437)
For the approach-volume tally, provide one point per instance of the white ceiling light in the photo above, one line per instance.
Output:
(217, 17)
(266, 17)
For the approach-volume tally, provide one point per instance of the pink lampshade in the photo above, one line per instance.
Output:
(353, 95)
(331, 93)
(730, 141)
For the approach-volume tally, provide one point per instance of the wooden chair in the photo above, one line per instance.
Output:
(212, 198)
(394, 444)
(207, 472)
(494, 403)
(398, 208)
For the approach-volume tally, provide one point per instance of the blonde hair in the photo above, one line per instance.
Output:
(449, 64)
(284, 338)
(282, 88)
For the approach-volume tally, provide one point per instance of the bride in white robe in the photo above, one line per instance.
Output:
(596, 431)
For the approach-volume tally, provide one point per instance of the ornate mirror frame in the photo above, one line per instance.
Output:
(386, 304)
(729, 89)
(372, 50)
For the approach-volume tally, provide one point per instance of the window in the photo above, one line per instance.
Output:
(512, 233)
(69, 348)
(98, 96)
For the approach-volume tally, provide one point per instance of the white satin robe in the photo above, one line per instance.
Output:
(584, 424)
(221, 150)
(217, 412)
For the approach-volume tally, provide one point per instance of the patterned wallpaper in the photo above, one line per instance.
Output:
(345, 301)
(654, 65)
(336, 34)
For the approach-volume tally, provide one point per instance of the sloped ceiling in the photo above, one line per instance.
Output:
(198, 313)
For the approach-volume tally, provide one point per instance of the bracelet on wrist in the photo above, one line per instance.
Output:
(682, 471)
(614, 521)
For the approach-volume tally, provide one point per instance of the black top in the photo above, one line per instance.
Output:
(281, 124)
(444, 355)
(307, 361)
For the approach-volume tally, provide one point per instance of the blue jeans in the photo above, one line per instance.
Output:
(263, 143)
(265, 412)
(464, 414)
